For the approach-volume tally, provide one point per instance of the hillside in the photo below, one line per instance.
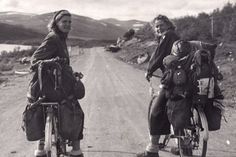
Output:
(128, 24)
(82, 27)
(16, 32)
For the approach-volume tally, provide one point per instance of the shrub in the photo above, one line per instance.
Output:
(6, 67)
(7, 59)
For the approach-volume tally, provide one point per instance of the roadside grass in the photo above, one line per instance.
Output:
(9, 59)
(6, 67)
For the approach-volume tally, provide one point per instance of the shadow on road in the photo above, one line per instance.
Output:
(218, 150)
(109, 151)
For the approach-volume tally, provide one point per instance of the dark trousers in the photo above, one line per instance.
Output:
(81, 133)
(157, 116)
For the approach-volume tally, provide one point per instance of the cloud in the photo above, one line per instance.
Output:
(9, 4)
(121, 9)
(12, 3)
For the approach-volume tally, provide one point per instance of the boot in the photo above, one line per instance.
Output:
(76, 151)
(40, 152)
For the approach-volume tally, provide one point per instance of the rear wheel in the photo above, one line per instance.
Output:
(193, 142)
(203, 133)
(184, 143)
(48, 134)
(59, 145)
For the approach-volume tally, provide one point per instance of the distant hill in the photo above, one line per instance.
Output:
(135, 24)
(15, 32)
(82, 27)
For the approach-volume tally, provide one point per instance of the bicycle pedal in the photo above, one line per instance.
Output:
(190, 127)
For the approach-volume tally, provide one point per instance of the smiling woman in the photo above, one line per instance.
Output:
(61, 21)
(54, 48)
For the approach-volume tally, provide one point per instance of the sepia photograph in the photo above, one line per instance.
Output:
(118, 78)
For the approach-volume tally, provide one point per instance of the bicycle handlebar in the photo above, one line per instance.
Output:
(37, 102)
(49, 61)
(158, 76)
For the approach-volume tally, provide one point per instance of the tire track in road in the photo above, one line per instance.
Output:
(118, 104)
(103, 100)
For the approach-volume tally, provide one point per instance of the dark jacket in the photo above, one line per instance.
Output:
(163, 49)
(54, 45)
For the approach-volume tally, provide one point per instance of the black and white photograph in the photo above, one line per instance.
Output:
(118, 78)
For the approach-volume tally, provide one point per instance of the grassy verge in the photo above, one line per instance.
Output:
(9, 59)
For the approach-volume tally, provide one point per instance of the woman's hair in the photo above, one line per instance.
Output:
(56, 17)
(165, 19)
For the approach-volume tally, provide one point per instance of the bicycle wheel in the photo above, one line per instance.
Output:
(48, 134)
(56, 151)
(61, 147)
(202, 135)
(58, 146)
(193, 142)
(185, 143)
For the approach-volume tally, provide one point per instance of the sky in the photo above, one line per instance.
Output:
(144, 10)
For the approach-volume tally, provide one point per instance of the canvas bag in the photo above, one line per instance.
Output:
(33, 122)
(78, 88)
(202, 76)
(71, 119)
(178, 112)
(214, 115)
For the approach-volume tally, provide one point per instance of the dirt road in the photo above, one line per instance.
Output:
(115, 108)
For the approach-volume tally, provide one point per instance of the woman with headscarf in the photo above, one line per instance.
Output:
(54, 46)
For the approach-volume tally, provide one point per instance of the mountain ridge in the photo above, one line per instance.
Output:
(83, 27)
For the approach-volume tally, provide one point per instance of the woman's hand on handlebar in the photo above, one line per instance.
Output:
(148, 76)
(78, 75)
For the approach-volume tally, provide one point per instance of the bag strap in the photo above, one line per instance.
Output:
(40, 70)
(221, 107)
(208, 86)
(57, 72)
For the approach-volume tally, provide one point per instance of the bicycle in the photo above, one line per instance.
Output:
(193, 139)
(56, 108)
(54, 144)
